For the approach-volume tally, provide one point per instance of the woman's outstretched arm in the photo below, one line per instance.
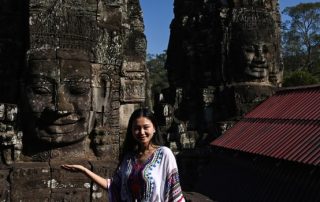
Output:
(103, 182)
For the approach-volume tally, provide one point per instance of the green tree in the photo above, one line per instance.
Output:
(301, 37)
(300, 78)
(158, 74)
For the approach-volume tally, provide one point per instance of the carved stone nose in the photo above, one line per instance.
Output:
(259, 55)
(259, 50)
(63, 105)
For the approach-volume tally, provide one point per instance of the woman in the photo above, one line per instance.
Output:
(146, 170)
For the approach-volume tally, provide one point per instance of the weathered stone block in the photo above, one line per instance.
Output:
(29, 180)
(132, 66)
(4, 185)
(69, 186)
(132, 90)
(109, 15)
(105, 169)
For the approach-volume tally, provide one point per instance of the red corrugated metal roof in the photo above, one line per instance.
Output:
(285, 126)
(290, 104)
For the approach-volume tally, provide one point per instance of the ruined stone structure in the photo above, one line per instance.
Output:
(71, 73)
(223, 59)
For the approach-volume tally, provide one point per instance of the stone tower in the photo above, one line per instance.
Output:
(223, 59)
(73, 71)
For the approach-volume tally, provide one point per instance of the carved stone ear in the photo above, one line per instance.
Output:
(91, 121)
(101, 88)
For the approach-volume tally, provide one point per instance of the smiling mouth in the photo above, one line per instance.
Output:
(141, 138)
(258, 69)
(62, 125)
(61, 129)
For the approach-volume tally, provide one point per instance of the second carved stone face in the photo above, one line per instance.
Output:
(59, 97)
(256, 59)
(253, 46)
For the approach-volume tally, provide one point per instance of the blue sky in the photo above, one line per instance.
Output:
(158, 14)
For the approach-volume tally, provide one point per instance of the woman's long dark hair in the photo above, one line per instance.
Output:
(132, 145)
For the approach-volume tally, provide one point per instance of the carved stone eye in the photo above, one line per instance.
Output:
(41, 86)
(265, 49)
(249, 49)
(78, 88)
(41, 90)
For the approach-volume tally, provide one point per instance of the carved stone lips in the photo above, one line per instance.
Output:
(258, 69)
(259, 66)
(70, 119)
(259, 63)
(65, 124)
(61, 129)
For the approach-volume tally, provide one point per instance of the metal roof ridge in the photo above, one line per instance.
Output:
(284, 120)
(315, 86)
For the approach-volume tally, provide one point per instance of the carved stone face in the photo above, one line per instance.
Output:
(208, 96)
(100, 142)
(256, 59)
(2, 111)
(252, 55)
(253, 46)
(108, 14)
(12, 111)
(102, 15)
(59, 96)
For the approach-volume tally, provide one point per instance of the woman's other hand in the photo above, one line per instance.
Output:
(74, 168)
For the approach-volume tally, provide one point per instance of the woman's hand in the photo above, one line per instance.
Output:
(74, 168)
(105, 183)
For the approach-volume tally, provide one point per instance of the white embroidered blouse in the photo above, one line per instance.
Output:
(155, 180)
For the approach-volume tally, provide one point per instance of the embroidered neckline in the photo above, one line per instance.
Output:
(148, 160)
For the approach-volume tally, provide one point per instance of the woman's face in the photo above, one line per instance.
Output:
(143, 130)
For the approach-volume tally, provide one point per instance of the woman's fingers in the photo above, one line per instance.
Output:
(71, 167)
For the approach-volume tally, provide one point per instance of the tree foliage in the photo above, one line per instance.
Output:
(158, 74)
(300, 78)
(301, 37)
